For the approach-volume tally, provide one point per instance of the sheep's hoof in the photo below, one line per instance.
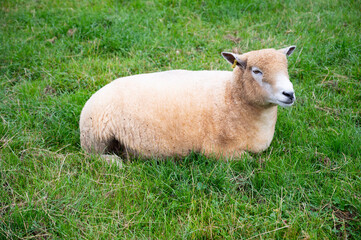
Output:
(113, 159)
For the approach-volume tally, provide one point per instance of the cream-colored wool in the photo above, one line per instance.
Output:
(172, 113)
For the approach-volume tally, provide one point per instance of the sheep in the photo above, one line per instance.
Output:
(172, 113)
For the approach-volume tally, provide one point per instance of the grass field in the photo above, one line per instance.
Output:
(55, 54)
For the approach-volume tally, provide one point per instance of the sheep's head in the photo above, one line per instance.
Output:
(265, 75)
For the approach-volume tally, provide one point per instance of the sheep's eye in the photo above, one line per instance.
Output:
(256, 71)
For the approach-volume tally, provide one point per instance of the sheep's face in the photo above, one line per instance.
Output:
(265, 75)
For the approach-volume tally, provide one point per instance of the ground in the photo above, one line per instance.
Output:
(55, 54)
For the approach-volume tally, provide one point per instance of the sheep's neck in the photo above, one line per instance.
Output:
(251, 125)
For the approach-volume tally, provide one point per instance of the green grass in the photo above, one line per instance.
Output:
(307, 185)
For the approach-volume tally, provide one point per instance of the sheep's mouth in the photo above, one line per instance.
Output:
(287, 102)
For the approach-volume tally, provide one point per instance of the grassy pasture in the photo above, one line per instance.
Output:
(55, 54)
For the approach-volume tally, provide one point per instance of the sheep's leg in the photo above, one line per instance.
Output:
(234, 155)
(112, 159)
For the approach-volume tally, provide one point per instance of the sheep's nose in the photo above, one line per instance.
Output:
(290, 95)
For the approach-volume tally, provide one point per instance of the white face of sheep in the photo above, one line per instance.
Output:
(273, 80)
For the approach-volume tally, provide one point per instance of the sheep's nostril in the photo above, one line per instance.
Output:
(290, 95)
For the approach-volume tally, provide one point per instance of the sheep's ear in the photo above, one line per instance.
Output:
(288, 50)
(234, 60)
